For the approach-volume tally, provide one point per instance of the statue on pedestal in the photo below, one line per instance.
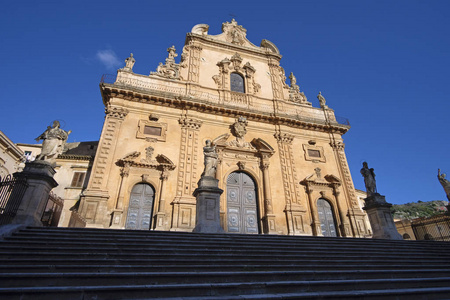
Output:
(211, 158)
(369, 179)
(129, 63)
(445, 183)
(54, 139)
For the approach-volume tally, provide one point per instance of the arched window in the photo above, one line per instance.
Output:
(237, 83)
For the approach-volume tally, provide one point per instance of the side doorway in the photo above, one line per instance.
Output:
(326, 218)
(140, 208)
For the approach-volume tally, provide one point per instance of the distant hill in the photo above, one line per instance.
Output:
(418, 209)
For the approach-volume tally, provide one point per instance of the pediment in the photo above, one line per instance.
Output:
(262, 145)
(317, 179)
(231, 33)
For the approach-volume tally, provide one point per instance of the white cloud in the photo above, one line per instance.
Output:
(108, 58)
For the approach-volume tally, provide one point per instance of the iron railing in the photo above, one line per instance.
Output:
(52, 212)
(11, 194)
(436, 228)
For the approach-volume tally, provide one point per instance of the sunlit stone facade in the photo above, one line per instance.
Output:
(282, 164)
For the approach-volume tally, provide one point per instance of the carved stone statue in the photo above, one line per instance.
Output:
(322, 101)
(129, 63)
(369, 179)
(211, 158)
(444, 182)
(54, 139)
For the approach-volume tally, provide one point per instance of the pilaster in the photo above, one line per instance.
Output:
(183, 218)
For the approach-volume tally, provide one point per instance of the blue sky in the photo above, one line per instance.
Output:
(384, 65)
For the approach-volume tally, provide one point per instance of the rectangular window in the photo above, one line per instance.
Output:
(313, 153)
(78, 179)
(152, 130)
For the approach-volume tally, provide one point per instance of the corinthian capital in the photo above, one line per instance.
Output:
(116, 112)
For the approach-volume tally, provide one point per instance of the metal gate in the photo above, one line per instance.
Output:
(326, 218)
(242, 212)
(140, 209)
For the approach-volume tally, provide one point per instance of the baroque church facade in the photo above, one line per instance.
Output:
(281, 165)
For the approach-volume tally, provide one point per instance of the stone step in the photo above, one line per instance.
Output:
(43, 249)
(114, 267)
(126, 245)
(238, 260)
(145, 278)
(214, 256)
(151, 237)
(150, 291)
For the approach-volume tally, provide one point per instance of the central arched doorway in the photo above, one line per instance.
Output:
(326, 218)
(140, 209)
(242, 208)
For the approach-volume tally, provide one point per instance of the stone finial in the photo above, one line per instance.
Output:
(322, 100)
(170, 69)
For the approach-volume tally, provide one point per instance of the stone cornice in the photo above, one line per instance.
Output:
(182, 102)
(75, 157)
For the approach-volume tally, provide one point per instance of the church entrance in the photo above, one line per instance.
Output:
(242, 212)
(326, 218)
(140, 209)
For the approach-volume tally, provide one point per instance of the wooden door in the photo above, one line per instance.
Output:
(242, 212)
(141, 207)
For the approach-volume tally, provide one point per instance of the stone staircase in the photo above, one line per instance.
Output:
(75, 263)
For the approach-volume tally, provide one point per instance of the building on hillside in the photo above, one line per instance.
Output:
(72, 168)
(282, 164)
(11, 156)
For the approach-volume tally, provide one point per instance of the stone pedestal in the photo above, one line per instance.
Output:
(40, 181)
(380, 218)
(208, 206)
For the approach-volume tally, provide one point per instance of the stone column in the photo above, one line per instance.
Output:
(161, 215)
(315, 222)
(269, 217)
(380, 218)
(344, 227)
(118, 208)
(39, 175)
(208, 206)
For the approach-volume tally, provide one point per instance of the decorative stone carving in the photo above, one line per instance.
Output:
(241, 165)
(148, 154)
(54, 138)
(235, 33)
(239, 129)
(322, 101)
(129, 63)
(444, 182)
(116, 112)
(170, 69)
(201, 29)
(269, 46)
(294, 91)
